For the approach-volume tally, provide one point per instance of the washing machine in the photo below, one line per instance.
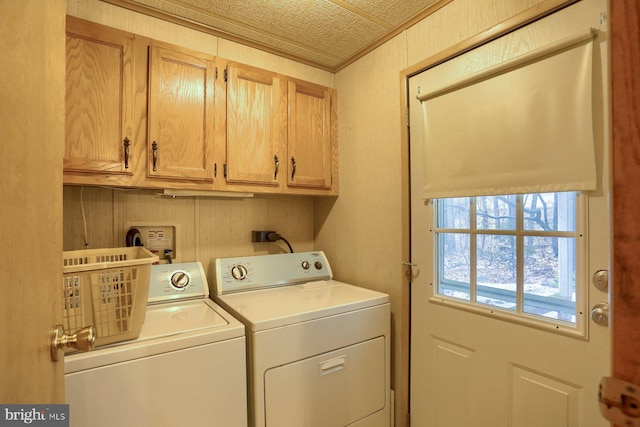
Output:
(317, 348)
(186, 368)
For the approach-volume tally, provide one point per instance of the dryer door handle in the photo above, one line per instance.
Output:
(332, 365)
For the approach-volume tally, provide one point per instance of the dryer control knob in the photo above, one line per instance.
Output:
(180, 280)
(305, 265)
(239, 272)
(318, 265)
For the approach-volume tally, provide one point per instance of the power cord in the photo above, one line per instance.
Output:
(272, 236)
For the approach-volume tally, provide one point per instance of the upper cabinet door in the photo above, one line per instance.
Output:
(99, 98)
(256, 125)
(181, 114)
(310, 140)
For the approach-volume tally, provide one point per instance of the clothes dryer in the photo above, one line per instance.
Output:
(317, 349)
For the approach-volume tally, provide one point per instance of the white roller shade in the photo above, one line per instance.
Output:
(523, 126)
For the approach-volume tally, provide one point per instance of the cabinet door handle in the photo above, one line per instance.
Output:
(126, 152)
(276, 161)
(154, 154)
(293, 168)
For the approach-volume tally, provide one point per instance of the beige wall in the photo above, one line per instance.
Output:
(361, 230)
(209, 228)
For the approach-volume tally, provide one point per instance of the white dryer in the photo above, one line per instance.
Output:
(317, 349)
(187, 367)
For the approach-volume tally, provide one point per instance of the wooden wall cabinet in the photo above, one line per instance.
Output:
(310, 144)
(180, 139)
(142, 113)
(99, 104)
(256, 127)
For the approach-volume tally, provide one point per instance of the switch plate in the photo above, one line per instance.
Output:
(159, 237)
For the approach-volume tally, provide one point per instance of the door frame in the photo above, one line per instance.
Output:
(624, 281)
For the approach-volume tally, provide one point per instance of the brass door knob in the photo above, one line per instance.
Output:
(83, 339)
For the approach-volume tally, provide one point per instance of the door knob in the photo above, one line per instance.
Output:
(83, 339)
(600, 314)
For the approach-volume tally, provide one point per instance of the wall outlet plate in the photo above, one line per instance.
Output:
(159, 237)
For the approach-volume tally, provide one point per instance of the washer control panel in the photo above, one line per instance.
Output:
(265, 271)
(177, 281)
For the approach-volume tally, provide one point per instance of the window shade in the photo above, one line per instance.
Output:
(523, 126)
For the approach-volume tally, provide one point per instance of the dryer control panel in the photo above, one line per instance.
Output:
(266, 271)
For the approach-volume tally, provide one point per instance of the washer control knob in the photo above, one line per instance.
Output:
(180, 280)
(318, 265)
(239, 272)
(305, 265)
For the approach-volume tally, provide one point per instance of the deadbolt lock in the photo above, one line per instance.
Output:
(600, 280)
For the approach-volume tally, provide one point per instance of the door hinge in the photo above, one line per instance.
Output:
(408, 420)
(406, 116)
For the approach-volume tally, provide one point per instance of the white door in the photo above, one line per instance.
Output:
(470, 367)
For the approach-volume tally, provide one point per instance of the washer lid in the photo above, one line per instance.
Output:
(167, 327)
(169, 319)
(275, 307)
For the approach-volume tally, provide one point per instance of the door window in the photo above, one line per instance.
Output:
(517, 256)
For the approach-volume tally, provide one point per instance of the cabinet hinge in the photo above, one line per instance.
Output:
(226, 73)
(216, 73)
(224, 170)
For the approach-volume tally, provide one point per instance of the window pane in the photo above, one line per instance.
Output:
(455, 265)
(550, 211)
(550, 277)
(454, 213)
(496, 270)
(496, 212)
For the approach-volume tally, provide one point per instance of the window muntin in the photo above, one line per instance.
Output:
(515, 253)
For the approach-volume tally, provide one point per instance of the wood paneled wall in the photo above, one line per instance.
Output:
(210, 228)
(362, 230)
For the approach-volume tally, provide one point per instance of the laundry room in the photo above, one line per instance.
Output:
(290, 157)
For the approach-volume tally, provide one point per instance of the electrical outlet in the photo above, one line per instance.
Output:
(260, 236)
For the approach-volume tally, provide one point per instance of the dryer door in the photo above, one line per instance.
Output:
(333, 389)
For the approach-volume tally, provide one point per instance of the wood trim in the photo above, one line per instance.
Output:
(625, 279)
(517, 21)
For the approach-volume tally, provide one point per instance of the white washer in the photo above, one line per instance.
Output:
(187, 367)
(317, 349)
